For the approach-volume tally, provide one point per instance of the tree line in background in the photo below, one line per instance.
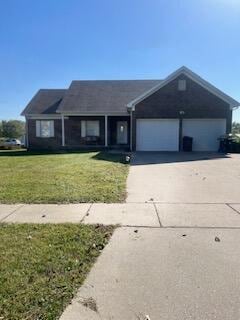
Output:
(12, 129)
(236, 128)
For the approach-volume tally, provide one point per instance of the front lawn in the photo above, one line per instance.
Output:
(27, 177)
(42, 266)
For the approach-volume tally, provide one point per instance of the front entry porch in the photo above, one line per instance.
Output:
(118, 132)
(108, 131)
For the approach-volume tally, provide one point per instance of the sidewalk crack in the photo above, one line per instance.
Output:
(14, 211)
(87, 213)
(229, 205)
(156, 210)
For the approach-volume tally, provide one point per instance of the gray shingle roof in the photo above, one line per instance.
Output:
(89, 97)
(45, 101)
(103, 96)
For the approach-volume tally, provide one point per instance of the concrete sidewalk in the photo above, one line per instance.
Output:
(167, 261)
(127, 214)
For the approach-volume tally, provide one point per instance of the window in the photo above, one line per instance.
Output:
(45, 128)
(182, 85)
(90, 128)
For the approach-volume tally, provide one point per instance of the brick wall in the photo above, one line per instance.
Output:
(35, 142)
(72, 134)
(196, 102)
(73, 131)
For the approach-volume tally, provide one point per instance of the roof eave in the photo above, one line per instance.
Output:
(92, 113)
(235, 107)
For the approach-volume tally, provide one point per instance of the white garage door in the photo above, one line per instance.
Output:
(205, 133)
(157, 134)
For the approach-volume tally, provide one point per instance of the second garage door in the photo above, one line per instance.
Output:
(205, 133)
(157, 135)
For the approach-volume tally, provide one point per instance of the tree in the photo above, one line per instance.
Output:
(12, 128)
(236, 127)
(1, 129)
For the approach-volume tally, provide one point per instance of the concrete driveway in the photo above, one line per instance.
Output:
(181, 260)
(184, 178)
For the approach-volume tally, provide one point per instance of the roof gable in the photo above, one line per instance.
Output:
(45, 101)
(194, 77)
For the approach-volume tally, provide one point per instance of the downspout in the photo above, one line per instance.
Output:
(130, 110)
(131, 130)
(106, 131)
(63, 131)
(229, 124)
(230, 118)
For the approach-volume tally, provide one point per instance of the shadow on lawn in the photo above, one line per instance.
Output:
(112, 157)
(24, 152)
(101, 155)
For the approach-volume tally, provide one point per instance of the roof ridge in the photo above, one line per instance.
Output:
(96, 80)
(48, 89)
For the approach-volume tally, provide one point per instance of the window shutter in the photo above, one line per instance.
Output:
(83, 128)
(38, 128)
(52, 128)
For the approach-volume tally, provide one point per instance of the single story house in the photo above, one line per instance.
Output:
(142, 115)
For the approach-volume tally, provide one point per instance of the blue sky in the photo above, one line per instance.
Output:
(48, 43)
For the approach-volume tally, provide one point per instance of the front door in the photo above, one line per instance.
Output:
(122, 132)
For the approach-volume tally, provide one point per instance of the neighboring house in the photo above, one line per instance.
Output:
(144, 115)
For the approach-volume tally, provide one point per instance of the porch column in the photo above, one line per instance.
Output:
(63, 131)
(106, 130)
(131, 130)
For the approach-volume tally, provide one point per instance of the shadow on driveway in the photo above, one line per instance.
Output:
(144, 158)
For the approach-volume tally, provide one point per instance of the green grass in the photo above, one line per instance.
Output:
(42, 266)
(28, 177)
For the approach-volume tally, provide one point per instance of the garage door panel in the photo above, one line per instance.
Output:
(205, 133)
(157, 134)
